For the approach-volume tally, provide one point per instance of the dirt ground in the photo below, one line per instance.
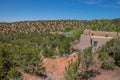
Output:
(55, 69)
(108, 75)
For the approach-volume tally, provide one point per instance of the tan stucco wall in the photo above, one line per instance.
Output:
(100, 40)
(100, 36)
(84, 41)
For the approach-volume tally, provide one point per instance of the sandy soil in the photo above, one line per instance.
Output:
(55, 69)
(27, 76)
(108, 75)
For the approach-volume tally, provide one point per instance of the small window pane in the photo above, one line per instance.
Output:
(95, 43)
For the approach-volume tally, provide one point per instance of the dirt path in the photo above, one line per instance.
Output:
(55, 68)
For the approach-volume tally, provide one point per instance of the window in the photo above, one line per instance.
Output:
(92, 34)
(91, 42)
(95, 43)
(106, 35)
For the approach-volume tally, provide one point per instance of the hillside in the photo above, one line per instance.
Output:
(47, 26)
(28, 49)
(40, 26)
(116, 19)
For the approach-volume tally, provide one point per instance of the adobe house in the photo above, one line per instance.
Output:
(96, 38)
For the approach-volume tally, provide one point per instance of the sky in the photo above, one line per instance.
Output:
(21, 10)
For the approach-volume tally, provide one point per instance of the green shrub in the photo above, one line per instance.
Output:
(48, 52)
(112, 47)
(116, 51)
(13, 74)
(68, 28)
(108, 64)
(76, 33)
(7, 66)
(103, 56)
(81, 68)
(107, 61)
(103, 25)
(53, 57)
(72, 71)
